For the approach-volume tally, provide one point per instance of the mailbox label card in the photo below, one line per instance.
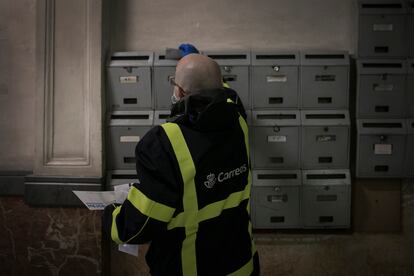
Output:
(128, 79)
(129, 139)
(276, 139)
(326, 138)
(383, 149)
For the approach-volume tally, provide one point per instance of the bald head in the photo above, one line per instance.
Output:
(197, 72)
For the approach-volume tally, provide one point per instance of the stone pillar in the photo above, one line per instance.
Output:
(69, 92)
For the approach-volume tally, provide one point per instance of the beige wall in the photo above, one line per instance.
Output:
(154, 25)
(17, 84)
(234, 24)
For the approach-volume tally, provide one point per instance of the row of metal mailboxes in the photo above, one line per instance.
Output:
(385, 88)
(284, 139)
(386, 28)
(385, 148)
(272, 79)
(289, 198)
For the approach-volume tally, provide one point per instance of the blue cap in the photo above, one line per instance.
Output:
(187, 49)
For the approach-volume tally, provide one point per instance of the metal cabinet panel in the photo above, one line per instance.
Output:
(326, 198)
(325, 139)
(381, 147)
(129, 81)
(409, 160)
(164, 70)
(381, 89)
(234, 66)
(382, 29)
(119, 177)
(126, 129)
(275, 80)
(276, 139)
(276, 199)
(161, 116)
(324, 80)
(410, 89)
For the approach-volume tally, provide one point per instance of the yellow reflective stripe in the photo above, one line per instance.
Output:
(149, 207)
(230, 100)
(190, 204)
(188, 252)
(245, 270)
(214, 210)
(245, 129)
(226, 85)
(114, 228)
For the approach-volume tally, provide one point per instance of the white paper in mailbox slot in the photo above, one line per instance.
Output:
(383, 149)
(276, 139)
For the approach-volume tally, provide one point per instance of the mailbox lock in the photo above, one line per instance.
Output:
(129, 128)
(383, 137)
(276, 128)
(326, 129)
(384, 77)
(128, 69)
(276, 68)
(325, 67)
(277, 189)
(227, 69)
(326, 188)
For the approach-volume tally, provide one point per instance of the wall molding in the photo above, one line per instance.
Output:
(12, 182)
(58, 191)
(50, 159)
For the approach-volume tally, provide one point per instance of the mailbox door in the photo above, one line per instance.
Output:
(275, 89)
(324, 87)
(129, 88)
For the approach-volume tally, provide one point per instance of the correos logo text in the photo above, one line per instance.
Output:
(223, 176)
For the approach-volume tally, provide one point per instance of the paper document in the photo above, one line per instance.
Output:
(96, 200)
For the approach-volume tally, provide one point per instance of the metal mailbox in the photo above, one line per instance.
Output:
(234, 67)
(380, 147)
(119, 177)
(324, 80)
(325, 139)
(326, 198)
(410, 88)
(276, 139)
(382, 28)
(164, 70)
(381, 88)
(409, 160)
(276, 199)
(275, 80)
(126, 128)
(161, 116)
(129, 80)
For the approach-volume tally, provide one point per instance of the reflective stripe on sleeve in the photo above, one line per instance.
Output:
(245, 270)
(149, 207)
(114, 227)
